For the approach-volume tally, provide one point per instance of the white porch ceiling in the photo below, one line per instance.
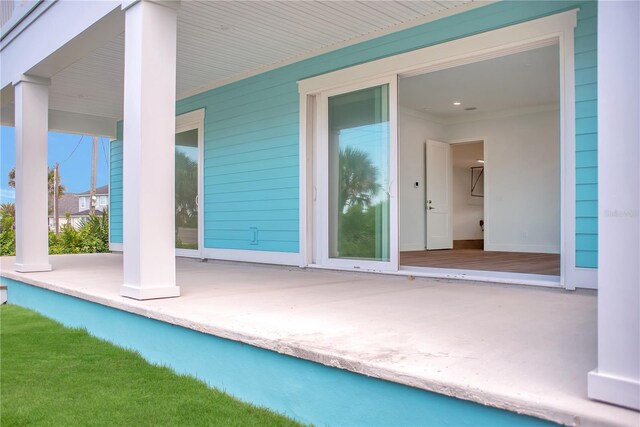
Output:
(521, 80)
(222, 41)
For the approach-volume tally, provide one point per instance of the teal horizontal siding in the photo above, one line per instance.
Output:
(251, 130)
(115, 187)
(586, 75)
(251, 126)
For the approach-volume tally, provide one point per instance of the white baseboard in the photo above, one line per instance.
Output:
(585, 278)
(619, 391)
(261, 257)
(514, 247)
(115, 247)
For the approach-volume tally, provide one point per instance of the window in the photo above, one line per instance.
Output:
(83, 202)
(103, 200)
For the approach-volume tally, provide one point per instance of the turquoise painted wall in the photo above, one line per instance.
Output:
(586, 61)
(251, 130)
(115, 187)
(307, 391)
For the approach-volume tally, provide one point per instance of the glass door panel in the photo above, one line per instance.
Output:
(360, 162)
(186, 190)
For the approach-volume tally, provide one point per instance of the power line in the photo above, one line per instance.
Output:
(106, 162)
(74, 150)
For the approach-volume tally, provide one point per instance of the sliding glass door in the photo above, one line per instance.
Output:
(188, 172)
(357, 154)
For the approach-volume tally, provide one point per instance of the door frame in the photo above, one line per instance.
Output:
(554, 29)
(185, 122)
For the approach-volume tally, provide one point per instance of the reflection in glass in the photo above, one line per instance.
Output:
(187, 189)
(359, 174)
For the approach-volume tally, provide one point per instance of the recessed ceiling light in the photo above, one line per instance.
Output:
(457, 103)
(480, 161)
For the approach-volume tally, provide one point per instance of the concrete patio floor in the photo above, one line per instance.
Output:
(524, 349)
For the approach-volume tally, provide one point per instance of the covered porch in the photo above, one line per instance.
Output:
(523, 349)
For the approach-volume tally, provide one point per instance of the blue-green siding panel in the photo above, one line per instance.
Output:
(586, 62)
(586, 92)
(587, 159)
(115, 187)
(586, 109)
(251, 126)
(586, 176)
(587, 226)
(585, 257)
(309, 392)
(586, 192)
(587, 142)
(587, 208)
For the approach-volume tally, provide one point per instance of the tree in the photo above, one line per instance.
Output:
(7, 209)
(50, 185)
(357, 179)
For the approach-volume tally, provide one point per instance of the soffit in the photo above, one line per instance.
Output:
(221, 41)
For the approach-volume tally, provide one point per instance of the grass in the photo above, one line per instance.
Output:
(56, 376)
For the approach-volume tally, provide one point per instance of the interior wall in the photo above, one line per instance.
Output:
(522, 180)
(414, 129)
(467, 209)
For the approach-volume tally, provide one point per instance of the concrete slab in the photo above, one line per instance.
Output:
(524, 349)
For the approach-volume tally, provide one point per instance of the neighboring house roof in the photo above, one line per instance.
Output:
(100, 191)
(68, 203)
(86, 212)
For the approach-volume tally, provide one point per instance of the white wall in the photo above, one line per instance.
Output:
(522, 180)
(415, 128)
(467, 210)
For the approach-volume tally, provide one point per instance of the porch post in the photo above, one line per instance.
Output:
(32, 126)
(617, 377)
(149, 150)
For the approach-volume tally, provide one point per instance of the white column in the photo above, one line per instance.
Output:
(32, 126)
(617, 377)
(149, 150)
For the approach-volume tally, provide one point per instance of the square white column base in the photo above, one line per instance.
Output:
(143, 293)
(617, 390)
(32, 268)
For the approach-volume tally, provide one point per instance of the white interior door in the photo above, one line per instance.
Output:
(357, 204)
(439, 195)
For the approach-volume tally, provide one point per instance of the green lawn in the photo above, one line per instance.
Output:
(56, 376)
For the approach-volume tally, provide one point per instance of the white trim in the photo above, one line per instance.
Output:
(260, 257)
(115, 247)
(524, 36)
(614, 389)
(185, 122)
(514, 247)
(464, 275)
(553, 29)
(585, 278)
(335, 46)
(568, 273)
(306, 185)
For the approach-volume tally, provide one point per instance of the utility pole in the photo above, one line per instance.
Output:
(94, 167)
(56, 207)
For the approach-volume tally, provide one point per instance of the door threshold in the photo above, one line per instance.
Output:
(543, 280)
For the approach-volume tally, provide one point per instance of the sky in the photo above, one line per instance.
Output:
(75, 169)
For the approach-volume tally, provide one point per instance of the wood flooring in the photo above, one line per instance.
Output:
(476, 259)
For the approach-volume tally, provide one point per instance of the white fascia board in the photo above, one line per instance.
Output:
(67, 122)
